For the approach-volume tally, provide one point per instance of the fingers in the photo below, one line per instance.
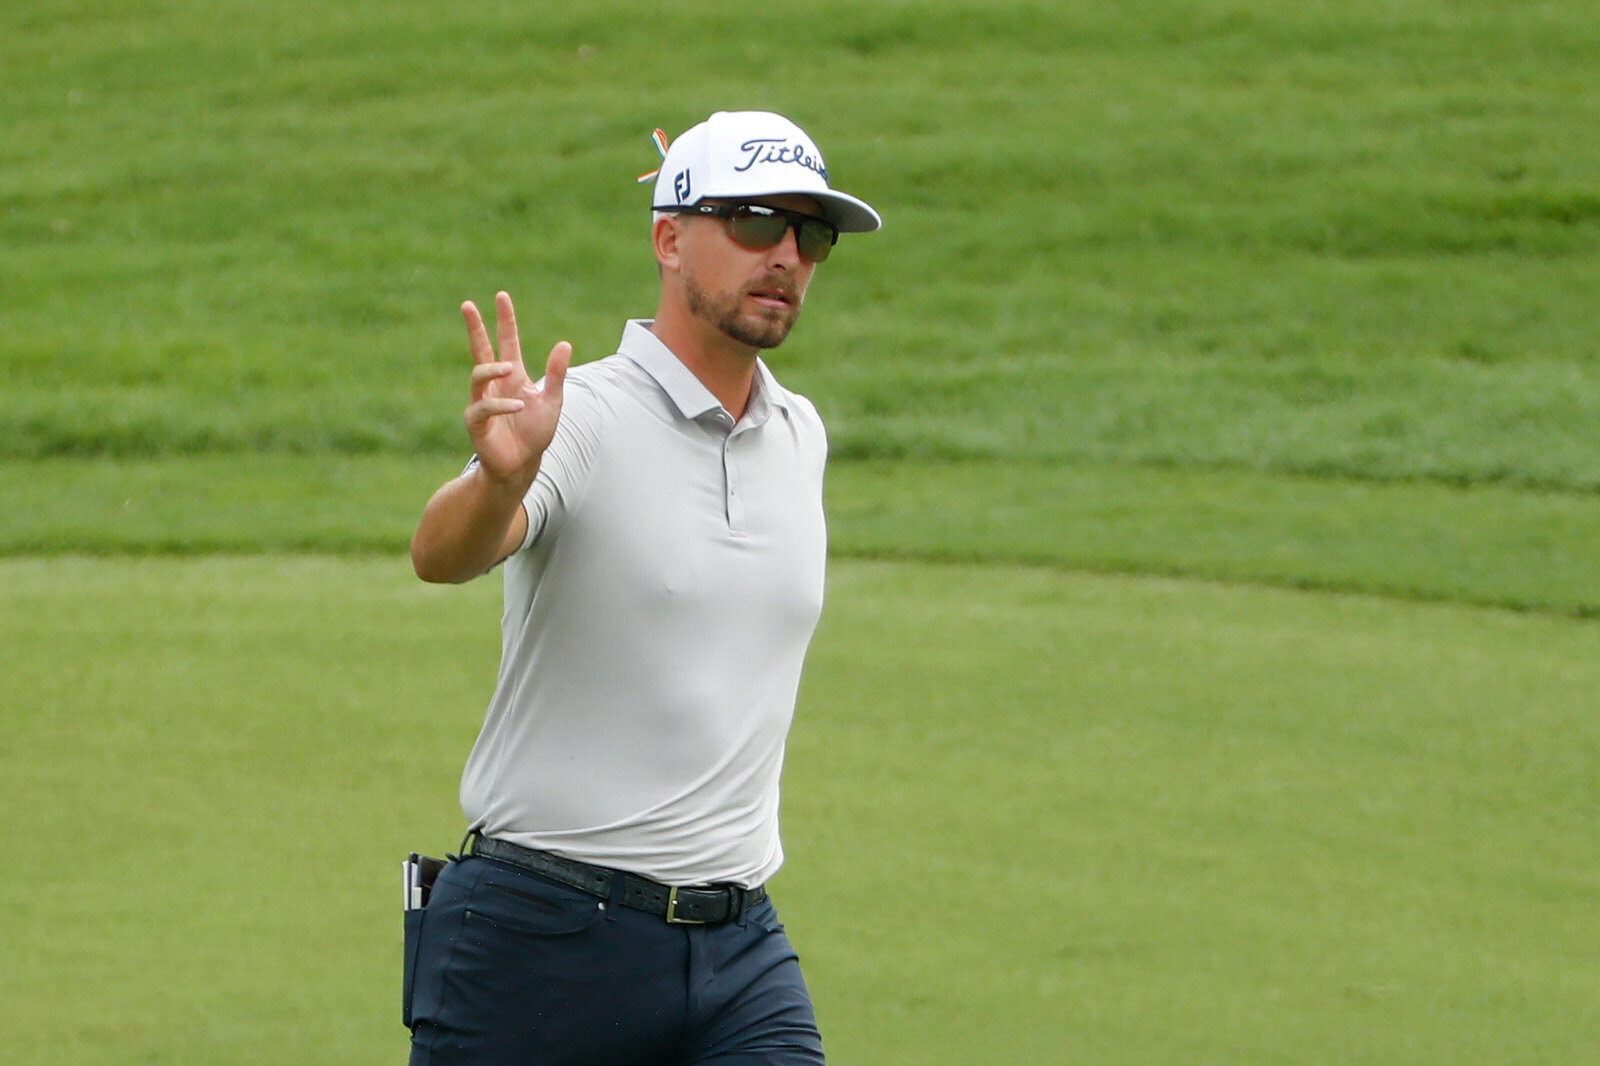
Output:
(555, 370)
(486, 368)
(479, 412)
(506, 320)
(485, 374)
(477, 336)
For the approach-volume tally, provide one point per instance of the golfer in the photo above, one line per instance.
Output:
(659, 516)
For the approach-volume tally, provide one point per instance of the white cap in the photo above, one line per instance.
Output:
(744, 154)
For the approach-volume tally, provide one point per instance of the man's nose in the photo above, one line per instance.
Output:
(786, 252)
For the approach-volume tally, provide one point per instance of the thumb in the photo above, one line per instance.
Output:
(555, 370)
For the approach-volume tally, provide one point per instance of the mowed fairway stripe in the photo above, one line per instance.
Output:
(1031, 815)
(1486, 544)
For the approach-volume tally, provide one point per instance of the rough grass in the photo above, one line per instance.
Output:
(1354, 239)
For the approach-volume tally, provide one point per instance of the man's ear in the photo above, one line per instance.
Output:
(664, 234)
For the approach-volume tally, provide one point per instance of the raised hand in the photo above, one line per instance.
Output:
(511, 419)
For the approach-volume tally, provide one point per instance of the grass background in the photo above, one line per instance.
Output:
(1215, 499)
(1070, 817)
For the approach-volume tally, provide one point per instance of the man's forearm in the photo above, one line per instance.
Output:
(469, 525)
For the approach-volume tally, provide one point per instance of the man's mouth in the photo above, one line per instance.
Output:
(776, 296)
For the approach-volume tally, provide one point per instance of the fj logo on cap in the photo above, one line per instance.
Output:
(680, 186)
(779, 150)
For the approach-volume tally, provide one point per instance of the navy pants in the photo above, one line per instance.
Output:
(513, 968)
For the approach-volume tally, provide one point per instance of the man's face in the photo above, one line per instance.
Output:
(753, 297)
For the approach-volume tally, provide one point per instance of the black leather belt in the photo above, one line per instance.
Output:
(681, 905)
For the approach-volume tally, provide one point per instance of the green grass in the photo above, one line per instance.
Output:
(1210, 653)
(1489, 545)
(1031, 816)
(224, 762)
(1355, 240)
(1484, 545)
(1163, 822)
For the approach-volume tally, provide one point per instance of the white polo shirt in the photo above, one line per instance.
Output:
(655, 624)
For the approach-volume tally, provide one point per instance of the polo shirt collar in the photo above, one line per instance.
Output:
(686, 391)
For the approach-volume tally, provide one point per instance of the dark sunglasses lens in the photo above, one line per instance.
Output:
(757, 232)
(815, 240)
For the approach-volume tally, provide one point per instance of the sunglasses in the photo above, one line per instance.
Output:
(760, 228)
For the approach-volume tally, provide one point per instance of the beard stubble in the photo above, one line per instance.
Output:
(766, 328)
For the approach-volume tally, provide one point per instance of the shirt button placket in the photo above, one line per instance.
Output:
(730, 470)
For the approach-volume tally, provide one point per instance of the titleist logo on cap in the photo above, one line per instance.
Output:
(779, 150)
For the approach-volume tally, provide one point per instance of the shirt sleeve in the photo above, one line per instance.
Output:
(564, 469)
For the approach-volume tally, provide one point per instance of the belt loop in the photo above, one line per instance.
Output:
(613, 903)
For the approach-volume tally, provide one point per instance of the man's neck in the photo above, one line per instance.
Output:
(724, 366)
